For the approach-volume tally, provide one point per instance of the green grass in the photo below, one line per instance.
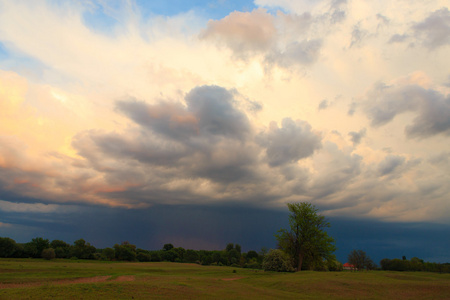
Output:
(75, 279)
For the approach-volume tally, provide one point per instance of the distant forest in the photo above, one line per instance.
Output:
(231, 256)
(43, 248)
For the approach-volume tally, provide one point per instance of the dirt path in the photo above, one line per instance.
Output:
(68, 281)
(231, 279)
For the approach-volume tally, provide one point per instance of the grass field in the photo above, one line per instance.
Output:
(76, 279)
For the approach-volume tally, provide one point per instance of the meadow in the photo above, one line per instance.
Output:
(75, 279)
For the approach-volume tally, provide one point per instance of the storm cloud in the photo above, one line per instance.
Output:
(431, 107)
(290, 143)
(115, 111)
(204, 149)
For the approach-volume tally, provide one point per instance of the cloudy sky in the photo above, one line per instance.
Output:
(194, 122)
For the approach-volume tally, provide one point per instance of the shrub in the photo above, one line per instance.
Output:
(277, 260)
(48, 254)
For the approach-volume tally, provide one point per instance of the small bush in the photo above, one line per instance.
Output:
(48, 253)
(277, 260)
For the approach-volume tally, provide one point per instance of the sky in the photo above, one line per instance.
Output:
(195, 122)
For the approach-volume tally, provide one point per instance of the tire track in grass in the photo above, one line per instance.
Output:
(95, 279)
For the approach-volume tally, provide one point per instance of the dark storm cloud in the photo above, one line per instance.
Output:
(202, 151)
(432, 108)
(434, 116)
(204, 139)
(212, 227)
(141, 146)
(168, 119)
(209, 111)
(290, 143)
(434, 31)
(212, 106)
(339, 168)
(356, 137)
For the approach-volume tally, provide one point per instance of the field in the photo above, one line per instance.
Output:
(75, 279)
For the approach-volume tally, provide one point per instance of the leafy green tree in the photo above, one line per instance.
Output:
(143, 255)
(125, 251)
(333, 264)
(180, 253)
(83, 250)
(416, 264)
(191, 256)
(216, 257)
(167, 247)
(62, 249)
(233, 257)
(36, 246)
(278, 261)
(207, 260)
(360, 260)
(171, 255)
(306, 240)
(252, 254)
(8, 247)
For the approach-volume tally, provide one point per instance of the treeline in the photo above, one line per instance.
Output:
(414, 264)
(43, 248)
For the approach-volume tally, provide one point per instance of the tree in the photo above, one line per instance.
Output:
(36, 246)
(143, 255)
(252, 254)
(170, 255)
(233, 253)
(7, 247)
(125, 251)
(191, 256)
(360, 260)
(306, 240)
(167, 247)
(83, 250)
(62, 249)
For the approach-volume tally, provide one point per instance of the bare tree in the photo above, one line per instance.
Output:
(360, 260)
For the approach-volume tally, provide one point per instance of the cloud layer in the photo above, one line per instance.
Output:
(342, 103)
